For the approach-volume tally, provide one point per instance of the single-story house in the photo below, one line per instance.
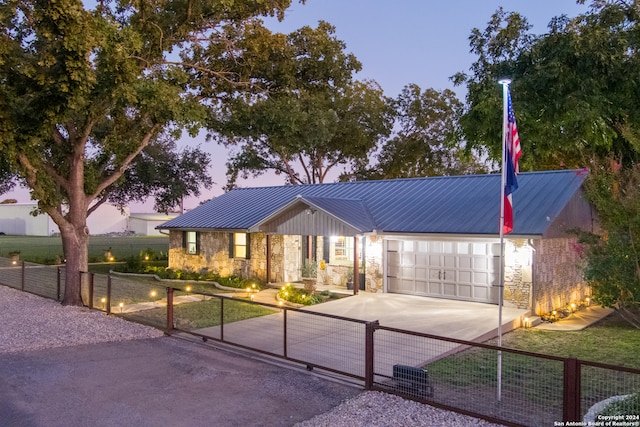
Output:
(435, 237)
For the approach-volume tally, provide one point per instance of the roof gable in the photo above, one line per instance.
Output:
(467, 204)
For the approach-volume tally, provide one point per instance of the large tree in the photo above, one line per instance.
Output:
(85, 92)
(312, 117)
(427, 141)
(575, 89)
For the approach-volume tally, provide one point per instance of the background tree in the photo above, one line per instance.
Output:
(312, 115)
(613, 259)
(428, 141)
(574, 88)
(85, 92)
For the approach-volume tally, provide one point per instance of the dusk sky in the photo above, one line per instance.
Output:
(400, 42)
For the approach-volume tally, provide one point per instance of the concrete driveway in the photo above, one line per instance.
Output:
(157, 382)
(340, 344)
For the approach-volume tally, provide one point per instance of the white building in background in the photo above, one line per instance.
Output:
(17, 219)
(145, 223)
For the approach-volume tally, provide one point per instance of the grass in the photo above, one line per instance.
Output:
(45, 250)
(610, 341)
(203, 314)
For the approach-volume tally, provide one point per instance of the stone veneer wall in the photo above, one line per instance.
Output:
(214, 255)
(558, 276)
(518, 274)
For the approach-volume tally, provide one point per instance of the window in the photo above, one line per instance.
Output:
(239, 246)
(191, 242)
(341, 250)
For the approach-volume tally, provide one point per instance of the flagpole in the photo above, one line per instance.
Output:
(505, 88)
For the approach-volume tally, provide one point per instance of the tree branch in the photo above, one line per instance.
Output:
(126, 162)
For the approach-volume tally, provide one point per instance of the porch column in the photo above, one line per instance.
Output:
(356, 265)
(268, 258)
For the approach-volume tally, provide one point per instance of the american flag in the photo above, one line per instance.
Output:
(512, 155)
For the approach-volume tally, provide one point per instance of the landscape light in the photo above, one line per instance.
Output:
(188, 289)
(153, 294)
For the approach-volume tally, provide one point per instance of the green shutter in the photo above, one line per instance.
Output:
(231, 246)
(248, 246)
(198, 242)
(184, 239)
(326, 248)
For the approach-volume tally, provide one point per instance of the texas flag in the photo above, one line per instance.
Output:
(512, 155)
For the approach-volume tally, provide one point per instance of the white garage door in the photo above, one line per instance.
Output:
(446, 269)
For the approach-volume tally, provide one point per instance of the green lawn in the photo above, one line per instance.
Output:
(203, 314)
(45, 250)
(537, 381)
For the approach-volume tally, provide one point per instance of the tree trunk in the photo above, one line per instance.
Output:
(75, 243)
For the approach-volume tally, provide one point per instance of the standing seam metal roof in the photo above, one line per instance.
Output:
(467, 204)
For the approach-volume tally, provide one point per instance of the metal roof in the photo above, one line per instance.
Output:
(467, 204)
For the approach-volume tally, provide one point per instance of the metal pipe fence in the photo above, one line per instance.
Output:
(536, 389)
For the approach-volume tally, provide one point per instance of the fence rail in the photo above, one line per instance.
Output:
(536, 389)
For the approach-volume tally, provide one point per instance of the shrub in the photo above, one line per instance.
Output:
(628, 406)
(301, 296)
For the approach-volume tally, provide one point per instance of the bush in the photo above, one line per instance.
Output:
(301, 296)
(629, 406)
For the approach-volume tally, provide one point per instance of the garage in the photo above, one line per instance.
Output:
(462, 270)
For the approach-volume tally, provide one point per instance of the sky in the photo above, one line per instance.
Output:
(398, 42)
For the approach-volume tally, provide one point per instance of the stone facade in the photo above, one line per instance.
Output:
(540, 275)
(214, 255)
(558, 275)
(518, 277)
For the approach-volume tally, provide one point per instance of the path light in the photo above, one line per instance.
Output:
(121, 305)
(188, 289)
(153, 294)
(252, 297)
(103, 300)
(146, 257)
(573, 307)
(588, 300)
(526, 322)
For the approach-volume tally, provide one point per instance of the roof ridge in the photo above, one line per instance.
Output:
(415, 178)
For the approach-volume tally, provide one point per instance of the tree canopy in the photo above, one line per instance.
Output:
(428, 139)
(312, 115)
(575, 89)
(91, 98)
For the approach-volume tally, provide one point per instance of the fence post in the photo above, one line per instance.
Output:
(23, 276)
(571, 392)
(108, 307)
(169, 310)
(221, 319)
(285, 332)
(91, 275)
(370, 328)
(58, 285)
